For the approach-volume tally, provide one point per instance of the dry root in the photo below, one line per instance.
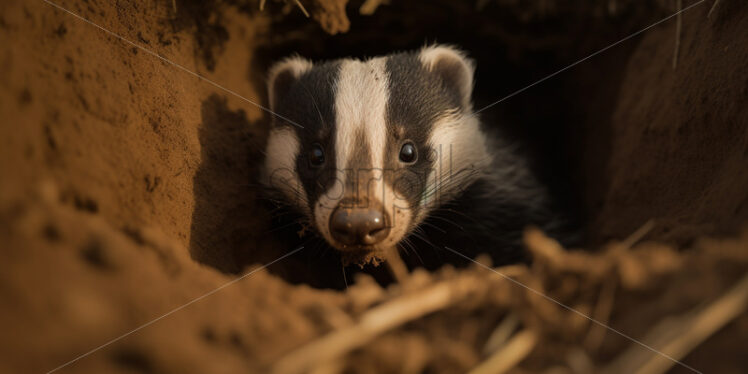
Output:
(565, 293)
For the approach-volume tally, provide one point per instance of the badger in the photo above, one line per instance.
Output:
(387, 152)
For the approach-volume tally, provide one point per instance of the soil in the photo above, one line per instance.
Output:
(128, 185)
(693, 114)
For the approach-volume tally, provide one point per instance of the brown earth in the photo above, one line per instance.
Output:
(127, 188)
(678, 137)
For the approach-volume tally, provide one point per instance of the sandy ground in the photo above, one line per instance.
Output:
(126, 192)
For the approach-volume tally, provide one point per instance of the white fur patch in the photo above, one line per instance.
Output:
(280, 166)
(461, 156)
(437, 57)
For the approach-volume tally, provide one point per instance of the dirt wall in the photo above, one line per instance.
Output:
(675, 148)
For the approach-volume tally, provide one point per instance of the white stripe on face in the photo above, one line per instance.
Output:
(360, 104)
(361, 97)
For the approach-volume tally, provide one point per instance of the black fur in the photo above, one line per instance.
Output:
(416, 98)
(489, 217)
(310, 102)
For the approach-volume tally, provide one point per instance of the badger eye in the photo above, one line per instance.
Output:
(316, 155)
(408, 153)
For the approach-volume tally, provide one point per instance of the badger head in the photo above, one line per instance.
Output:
(366, 149)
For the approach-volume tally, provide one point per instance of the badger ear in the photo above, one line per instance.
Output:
(453, 67)
(283, 75)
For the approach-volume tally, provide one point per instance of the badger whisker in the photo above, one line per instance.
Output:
(418, 233)
(345, 280)
(434, 226)
(413, 249)
(281, 227)
(436, 216)
(446, 183)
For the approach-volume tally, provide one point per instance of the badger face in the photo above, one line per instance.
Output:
(365, 149)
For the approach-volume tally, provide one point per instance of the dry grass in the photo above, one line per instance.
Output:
(537, 309)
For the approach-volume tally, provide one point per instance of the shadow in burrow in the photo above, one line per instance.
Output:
(223, 219)
(234, 225)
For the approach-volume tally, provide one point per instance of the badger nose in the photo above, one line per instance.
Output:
(358, 226)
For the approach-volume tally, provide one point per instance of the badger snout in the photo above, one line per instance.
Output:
(359, 226)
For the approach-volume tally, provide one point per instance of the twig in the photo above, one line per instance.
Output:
(676, 337)
(678, 28)
(547, 251)
(377, 321)
(303, 10)
(370, 6)
(637, 235)
(509, 356)
(502, 332)
(297, 2)
(396, 265)
(602, 313)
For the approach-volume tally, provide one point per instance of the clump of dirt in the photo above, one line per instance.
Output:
(331, 15)
(73, 281)
(128, 192)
